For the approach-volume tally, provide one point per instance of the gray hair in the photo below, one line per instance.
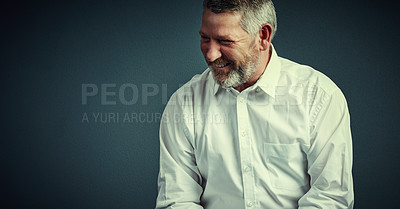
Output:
(254, 13)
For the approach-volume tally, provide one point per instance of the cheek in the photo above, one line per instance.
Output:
(232, 55)
(203, 48)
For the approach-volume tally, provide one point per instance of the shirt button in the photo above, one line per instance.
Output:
(242, 100)
(247, 169)
(250, 204)
(258, 89)
(244, 133)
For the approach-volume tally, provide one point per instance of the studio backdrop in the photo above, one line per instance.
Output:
(84, 84)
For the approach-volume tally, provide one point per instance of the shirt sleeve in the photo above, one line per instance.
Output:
(330, 155)
(179, 180)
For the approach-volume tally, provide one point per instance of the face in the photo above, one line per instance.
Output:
(230, 52)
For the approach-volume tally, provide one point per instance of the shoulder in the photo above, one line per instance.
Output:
(314, 89)
(180, 107)
(306, 76)
(199, 86)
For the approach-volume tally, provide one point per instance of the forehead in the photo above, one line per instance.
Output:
(223, 24)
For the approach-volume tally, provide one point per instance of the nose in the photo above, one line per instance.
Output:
(212, 51)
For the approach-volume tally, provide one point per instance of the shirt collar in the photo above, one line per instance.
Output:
(216, 85)
(268, 80)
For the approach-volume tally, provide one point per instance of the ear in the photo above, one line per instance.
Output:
(265, 34)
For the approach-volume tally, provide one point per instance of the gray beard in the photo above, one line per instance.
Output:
(238, 76)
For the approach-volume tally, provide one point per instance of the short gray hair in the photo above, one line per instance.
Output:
(254, 13)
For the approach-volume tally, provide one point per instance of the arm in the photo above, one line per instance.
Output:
(330, 156)
(179, 180)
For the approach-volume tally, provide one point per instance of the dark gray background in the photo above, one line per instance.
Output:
(50, 159)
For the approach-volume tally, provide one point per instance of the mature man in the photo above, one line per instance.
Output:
(254, 130)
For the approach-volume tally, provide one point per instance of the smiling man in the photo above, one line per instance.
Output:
(231, 52)
(254, 130)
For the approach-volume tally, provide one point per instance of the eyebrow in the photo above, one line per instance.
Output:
(218, 37)
(202, 33)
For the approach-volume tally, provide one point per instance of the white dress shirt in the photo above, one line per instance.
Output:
(284, 142)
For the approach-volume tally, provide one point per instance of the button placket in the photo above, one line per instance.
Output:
(245, 145)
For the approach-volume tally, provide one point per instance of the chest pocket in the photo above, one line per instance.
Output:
(287, 165)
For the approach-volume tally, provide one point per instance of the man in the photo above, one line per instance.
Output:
(254, 130)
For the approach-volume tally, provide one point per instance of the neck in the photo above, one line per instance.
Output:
(265, 57)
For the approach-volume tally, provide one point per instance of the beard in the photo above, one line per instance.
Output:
(239, 72)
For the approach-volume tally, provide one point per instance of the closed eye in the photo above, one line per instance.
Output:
(226, 42)
(205, 38)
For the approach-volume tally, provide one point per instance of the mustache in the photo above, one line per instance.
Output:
(219, 61)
